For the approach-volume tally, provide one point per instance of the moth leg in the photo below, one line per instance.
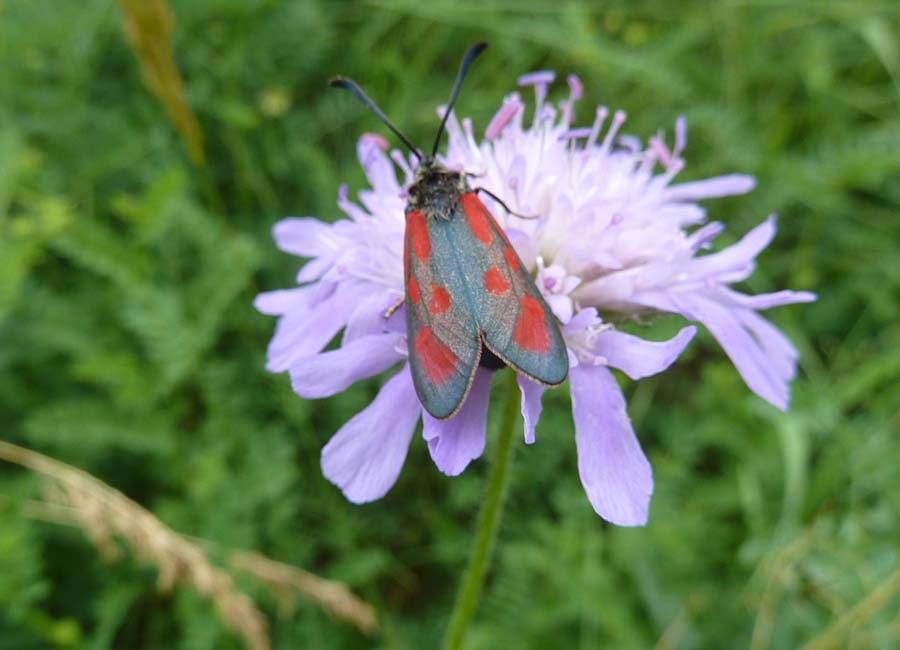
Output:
(394, 308)
(505, 207)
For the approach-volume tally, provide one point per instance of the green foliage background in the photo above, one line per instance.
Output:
(129, 346)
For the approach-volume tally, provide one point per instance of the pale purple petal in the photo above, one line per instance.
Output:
(728, 185)
(302, 236)
(664, 301)
(455, 442)
(377, 164)
(764, 300)
(365, 456)
(583, 318)
(376, 139)
(761, 375)
(606, 260)
(777, 348)
(315, 268)
(737, 256)
(396, 322)
(701, 237)
(526, 247)
(638, 358)
(404, 164)
(561, 306)
(531, 405)
(276, 303)
(327, 373)
(352, 210)
(305, 330)
(614, 471)
(613, 291)
(368, 316)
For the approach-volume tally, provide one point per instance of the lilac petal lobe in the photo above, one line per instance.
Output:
(281, 301)
(711, 188)
(454, 443)
(275, 303)
(615, 473)
(759, 373)
(766, 300)
(306, 329)
(531, 405)
(561, 306)
(780, 352)
(327, 373)
(368, 316)
(638, 358)
(583, 318)
(396, 322)
(300, 235)
(315, 268)
(701, 237)
(365, 456)
(377, 165)
(737, 255)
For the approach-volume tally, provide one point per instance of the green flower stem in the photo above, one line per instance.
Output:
(488, 521)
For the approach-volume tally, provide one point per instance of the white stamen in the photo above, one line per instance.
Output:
(576, 88)
(618, 119)
(401, 162)
(502, 117)
(599, 119)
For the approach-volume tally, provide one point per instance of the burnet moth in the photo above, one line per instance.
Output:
(469, 299)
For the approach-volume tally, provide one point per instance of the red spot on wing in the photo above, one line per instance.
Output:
(494, 282)
(440, 299)
(405, 258)
(417, 234)
(531, 327)
(437, 359)
(412, 290)
(477, 215)
(511, 258)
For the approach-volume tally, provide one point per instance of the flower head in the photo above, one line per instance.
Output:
(614, 235)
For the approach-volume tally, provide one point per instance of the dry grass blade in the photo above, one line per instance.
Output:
(106, 514)
(149, 26)
(283, 579)
(836, 634)
(772, 573)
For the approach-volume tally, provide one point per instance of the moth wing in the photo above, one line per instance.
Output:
(444, 345)
(516, 323)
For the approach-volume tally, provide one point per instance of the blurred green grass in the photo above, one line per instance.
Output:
(129, 346)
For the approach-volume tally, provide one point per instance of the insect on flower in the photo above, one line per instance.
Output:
(470, 300)
(617, 237)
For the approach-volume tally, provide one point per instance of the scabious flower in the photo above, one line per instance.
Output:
(614, 236)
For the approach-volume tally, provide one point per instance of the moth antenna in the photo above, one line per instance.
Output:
(469, 56)
(350, 85)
